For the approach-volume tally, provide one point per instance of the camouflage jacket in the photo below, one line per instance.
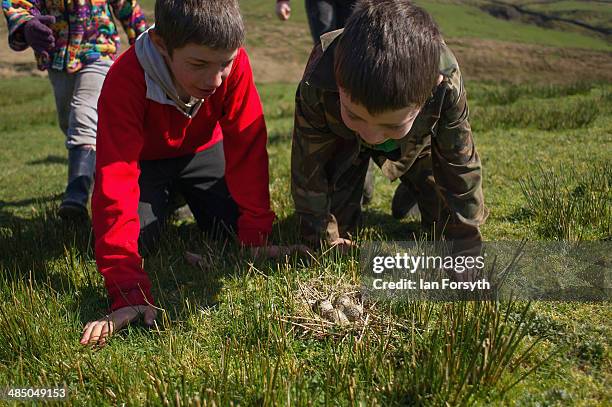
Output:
(317, 163)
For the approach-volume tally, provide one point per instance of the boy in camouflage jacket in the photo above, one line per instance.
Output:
(385, 87)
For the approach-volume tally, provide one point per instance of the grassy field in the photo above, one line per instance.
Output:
(225, 334)
(458, 19)
(461, 20)
(488, 48)
(236, 330)
(596, 6)
(596, 12)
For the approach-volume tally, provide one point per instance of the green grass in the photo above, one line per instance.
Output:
(226, 334)
(568, 205)
(457, 20)
(596, 6)
(467, 21)
(596, 13)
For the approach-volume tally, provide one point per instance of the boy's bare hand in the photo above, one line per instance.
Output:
(283, 10)
(273, 251)
(344, 245)
(96, 332)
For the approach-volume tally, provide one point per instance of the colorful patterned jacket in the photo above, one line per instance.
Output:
(84, 29)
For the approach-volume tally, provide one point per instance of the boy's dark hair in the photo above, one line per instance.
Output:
(216, 24)
(388, 56)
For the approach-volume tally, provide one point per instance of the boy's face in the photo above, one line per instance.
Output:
(376, 129)
(197, 70)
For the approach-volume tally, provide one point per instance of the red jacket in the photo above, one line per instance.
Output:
(133, 128)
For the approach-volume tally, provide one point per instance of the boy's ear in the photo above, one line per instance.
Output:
(159, 43)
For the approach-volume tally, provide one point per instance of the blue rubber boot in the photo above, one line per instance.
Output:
(81, 167)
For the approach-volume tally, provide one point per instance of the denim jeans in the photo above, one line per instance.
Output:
(327, 15)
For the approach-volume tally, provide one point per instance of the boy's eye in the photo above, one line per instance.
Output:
(395, 127)
(353, 117)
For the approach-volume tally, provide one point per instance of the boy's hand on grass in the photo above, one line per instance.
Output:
(283, 10)
(95, 333)
(344, 245)
(274, 251)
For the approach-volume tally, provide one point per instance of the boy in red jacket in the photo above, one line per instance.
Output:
(178, 111)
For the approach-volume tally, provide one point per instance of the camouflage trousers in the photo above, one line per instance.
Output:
(436, 218)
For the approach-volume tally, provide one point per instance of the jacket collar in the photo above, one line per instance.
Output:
(322, 74)
(160, 87)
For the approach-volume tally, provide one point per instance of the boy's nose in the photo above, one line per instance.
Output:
(371, 136)
(215, 81)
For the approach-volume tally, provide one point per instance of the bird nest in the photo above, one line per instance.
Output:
(322, 309)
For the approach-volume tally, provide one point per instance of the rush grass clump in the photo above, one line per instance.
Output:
(506, 95)
(467, 349)
(435, 352)
(566, 205)
(547, 116)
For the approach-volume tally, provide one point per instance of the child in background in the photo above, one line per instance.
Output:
(387, 88)
(76, 42)
(325, 16)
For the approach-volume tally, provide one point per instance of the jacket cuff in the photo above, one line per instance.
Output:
(132, 297)
(252, 237)
(316, 230)
(16, 37)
